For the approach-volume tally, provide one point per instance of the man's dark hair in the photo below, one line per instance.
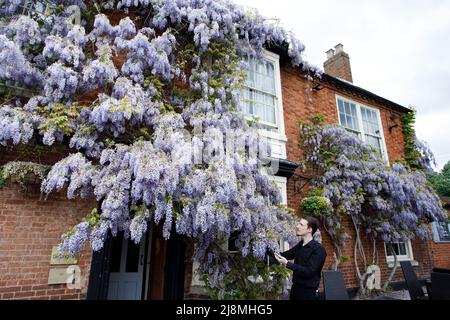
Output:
(313, 223)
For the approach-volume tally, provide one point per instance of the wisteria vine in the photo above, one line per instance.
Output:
(349, 178)
(135, 91)
(394, 203)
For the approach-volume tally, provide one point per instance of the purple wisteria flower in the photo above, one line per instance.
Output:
(150, 103)
(390, 202)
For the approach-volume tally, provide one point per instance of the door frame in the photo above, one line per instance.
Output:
(101, 264)
(164, 267)
(167, 273)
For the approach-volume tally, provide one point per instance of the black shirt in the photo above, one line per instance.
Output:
(308, 263)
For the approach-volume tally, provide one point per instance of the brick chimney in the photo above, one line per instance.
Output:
(338, 63)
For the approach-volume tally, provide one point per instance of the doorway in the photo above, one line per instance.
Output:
(120, 271)
(126, 273)
(153, 269)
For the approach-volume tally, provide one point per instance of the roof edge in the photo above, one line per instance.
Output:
(282, 51)
(349, 86)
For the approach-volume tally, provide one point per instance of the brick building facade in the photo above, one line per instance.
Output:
(300, 102)
(30, 227)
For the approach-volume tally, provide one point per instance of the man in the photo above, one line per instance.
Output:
(309, 257)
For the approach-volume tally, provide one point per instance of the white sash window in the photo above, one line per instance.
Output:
(364, 122)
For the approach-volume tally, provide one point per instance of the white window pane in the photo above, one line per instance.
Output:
(257, 82)
(353, 109)
(370, 121)
(270, 77)
(347, 115)
(267, 108)
(250, 109)
(259, 98)
(246, 101)
(365, 122)
(343, 121)
(374, 142)
(246, 108)
(363, 113)
(269, 115)
(376, 129)
(259, 112)
(269, 85)
(260, 67)
(351, 122)
(341, 106)
(270, 68)
(347, 108)
(269, 100)
(402, 248)
(261, 76)
(369, 115)
(366, 127)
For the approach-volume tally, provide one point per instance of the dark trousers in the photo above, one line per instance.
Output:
(302, 293)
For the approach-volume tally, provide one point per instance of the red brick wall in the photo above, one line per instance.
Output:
(441, 255)
(301, 103)
(29, 228)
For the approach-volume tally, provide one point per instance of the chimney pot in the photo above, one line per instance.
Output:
(330, 53)
(339, 48)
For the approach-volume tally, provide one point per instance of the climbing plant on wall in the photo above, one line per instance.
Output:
(144, 94)
(388, 203)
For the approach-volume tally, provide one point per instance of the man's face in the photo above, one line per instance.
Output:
(302, 228)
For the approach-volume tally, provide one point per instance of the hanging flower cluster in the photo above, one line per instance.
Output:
(393, 203)
(22, 173)
(149, 107)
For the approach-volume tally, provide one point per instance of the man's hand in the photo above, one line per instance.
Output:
(281, 259)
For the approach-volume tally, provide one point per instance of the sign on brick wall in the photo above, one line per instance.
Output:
(66, 259)
(60, 275)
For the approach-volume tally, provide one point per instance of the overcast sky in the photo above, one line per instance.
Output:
(399, 49)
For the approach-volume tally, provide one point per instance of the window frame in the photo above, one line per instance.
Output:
(408, 257)
(361, 132)
(436, 235)
(279, 134)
